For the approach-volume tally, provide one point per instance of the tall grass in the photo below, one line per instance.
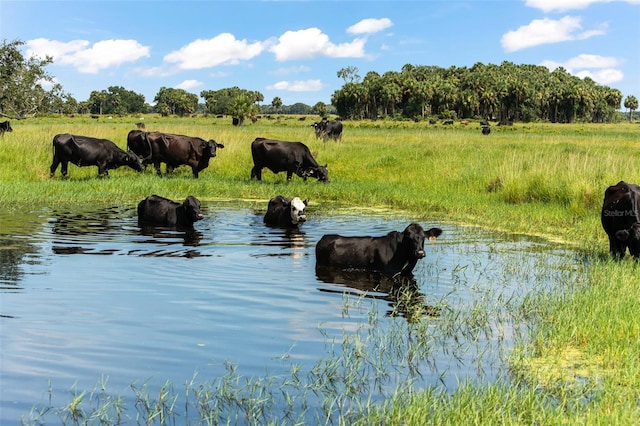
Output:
(579, 364)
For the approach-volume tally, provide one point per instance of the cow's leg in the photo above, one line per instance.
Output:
(64, 167)
(257, 172)
(195, 172)
(289, 174)
(156, 165)
(617, 248)
(102, 171)
(54, 165)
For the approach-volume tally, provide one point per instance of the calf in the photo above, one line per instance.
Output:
(631, 238)
(284, 212)
(396, 252)
(86, 151)
(156, 210)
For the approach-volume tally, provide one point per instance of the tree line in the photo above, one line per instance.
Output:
(506, 92)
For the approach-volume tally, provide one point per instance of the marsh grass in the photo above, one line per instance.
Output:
(577, 363)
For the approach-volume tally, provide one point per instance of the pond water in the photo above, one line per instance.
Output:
(86, 295)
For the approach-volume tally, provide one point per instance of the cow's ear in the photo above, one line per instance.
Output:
(219, 145)
(306, 201)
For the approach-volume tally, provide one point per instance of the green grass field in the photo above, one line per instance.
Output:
(580, 363)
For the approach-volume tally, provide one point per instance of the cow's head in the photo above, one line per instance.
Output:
(296, 210)
(320, 172)
(133, 161)
(192, 207)
(210, 147)
(320, 128)
(413, 239)
(631, 237)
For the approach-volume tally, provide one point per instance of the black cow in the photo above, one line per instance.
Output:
(621, 212)
(5, 126)
(486, 130)
(396, 252)
(282, 156)
(631, 237)
(328, 129)
(284, 212)
(173, 150)
(87, 151)
(157, 210)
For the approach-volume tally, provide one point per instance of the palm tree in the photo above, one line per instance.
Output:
(631, 103)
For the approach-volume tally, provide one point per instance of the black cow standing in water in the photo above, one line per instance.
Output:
(87, 151)
(396, 252)
(620, 219)
(283, 156)
(157, 210)
(285, 212)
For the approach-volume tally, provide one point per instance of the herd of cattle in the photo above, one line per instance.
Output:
(394, 253)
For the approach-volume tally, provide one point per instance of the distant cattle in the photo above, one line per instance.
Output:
(396, 252)
(447, 122)
(282, 156)
(486, 130)
(284, 212)
(157, 210)
(87, 151)
(5, 126)
(620, 216)
(326, 129)
(140, 125)
(173, 150)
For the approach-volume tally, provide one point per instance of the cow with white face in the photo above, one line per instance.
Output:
(284, 212)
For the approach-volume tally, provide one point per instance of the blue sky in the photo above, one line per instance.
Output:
(294, 49)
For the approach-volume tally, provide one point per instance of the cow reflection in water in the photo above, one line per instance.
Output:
(168, 235)
(401, 292)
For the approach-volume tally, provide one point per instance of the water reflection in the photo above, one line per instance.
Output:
(292, 241)
(401, 292)
(171, 302)
(190, 236)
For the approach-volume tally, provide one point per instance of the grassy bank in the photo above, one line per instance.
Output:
(580, 362)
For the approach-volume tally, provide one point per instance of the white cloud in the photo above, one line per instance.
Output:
(598, 68)
(189, 84)
(309, 43)
(545, 31)
(564, 5)
(291, 70)
(591, 61)
(370, 26)
(222, 49)
(604, 76)
(297, 86)
(90, 60)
